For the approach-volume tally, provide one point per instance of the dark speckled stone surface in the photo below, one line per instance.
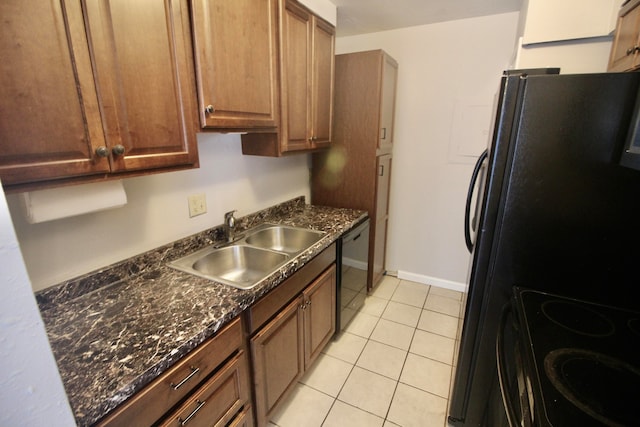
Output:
(115, 330)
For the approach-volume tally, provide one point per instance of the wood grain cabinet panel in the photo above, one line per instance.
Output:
(145, 81)
(355, 172)
(235, 45)
(288, 345)
(319, 315)
(50, 123)
(188, 379)
(278, 358)
(306, 85)
(95, 89)
(218, 400)
(625, 50)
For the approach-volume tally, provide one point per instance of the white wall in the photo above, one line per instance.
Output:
(157, 210)
(554, 35)
(440, 66)
(31, 391)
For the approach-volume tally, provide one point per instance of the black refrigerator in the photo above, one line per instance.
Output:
(555, 211)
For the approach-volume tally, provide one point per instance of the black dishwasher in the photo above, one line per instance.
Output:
(353, 271)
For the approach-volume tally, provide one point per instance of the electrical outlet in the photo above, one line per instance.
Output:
(197, 204)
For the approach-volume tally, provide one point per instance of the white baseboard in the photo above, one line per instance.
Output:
(360, 265)
(434, 281)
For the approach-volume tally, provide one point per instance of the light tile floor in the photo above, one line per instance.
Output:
(392, 366)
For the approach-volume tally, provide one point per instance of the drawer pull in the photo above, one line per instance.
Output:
(193, 413)
(194, 371)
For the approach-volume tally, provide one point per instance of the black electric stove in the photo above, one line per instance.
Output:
(581, 360)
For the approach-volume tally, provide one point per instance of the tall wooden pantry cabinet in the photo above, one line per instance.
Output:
(355, 171)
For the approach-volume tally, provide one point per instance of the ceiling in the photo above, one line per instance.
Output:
(368, 16)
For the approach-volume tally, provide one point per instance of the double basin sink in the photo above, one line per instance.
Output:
(250, 259)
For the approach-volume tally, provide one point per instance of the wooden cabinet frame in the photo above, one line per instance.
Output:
(306, 61)
(625, 50)
(95, 90)
(236, 52)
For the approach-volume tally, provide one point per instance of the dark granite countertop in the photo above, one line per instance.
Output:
(114, 330)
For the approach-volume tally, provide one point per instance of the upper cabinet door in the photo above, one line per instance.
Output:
(626, 44)
(323, 81)
(296, 70)
(144, 74)
(235, 45)
(49, 119)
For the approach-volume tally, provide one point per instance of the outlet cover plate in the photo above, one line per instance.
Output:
(197, 204)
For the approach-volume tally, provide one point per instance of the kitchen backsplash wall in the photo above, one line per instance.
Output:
(157, 210)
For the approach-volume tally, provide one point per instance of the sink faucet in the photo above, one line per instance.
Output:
(229, 226)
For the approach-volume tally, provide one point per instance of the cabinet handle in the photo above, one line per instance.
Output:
(384, 133)
(194, 371)
(313, 139)
(633, 50)
(381, 173)
(209, 109)
(102, 151)
(193, 413)
(118, 150)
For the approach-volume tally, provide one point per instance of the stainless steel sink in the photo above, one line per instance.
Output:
(246, 262)
(283, 238)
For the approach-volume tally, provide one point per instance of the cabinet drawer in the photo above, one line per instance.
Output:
(218, 400)
(152, 402)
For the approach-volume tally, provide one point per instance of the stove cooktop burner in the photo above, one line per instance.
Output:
(582, 359)
(597, 384)
(577, 318)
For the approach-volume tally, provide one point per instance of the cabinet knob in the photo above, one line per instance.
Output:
(102, 151)
(118, 150)
(209, 109)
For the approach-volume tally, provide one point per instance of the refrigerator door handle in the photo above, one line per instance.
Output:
(467, 210)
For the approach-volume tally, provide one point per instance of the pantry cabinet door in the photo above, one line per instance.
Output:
(143, 68)
(49, 119)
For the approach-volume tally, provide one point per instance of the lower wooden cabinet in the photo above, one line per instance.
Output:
(218, 400)
(210, 385)
(288, 345)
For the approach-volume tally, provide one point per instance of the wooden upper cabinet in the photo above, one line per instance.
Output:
(94, 88)
(322, 86)
(625, 50)
(145, 81)
(306, 85)
(49, 118)
(235, 45)
(297, 35)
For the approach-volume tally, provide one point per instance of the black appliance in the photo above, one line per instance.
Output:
(353, 253)
(575, 362)
(556, 212)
